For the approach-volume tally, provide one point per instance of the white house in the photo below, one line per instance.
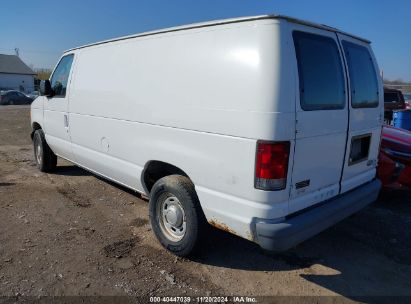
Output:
(15, 74)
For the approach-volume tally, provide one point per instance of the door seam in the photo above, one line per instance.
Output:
(348, 90)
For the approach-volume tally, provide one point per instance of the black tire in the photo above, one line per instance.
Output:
(11, 102)
(182, 189)
(45, 158)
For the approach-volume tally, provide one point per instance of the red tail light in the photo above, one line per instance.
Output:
(271, 165)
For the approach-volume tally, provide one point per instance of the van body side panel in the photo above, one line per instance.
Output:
(197, 99)
(226, 74)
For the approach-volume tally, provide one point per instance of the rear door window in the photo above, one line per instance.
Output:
(363, 78)
(320, 70)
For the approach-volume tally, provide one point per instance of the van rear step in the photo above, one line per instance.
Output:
(281, 236)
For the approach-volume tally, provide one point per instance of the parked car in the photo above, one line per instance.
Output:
(393, 100)
(244, 124)
(33, 95)
(14, 98)
(394, 168)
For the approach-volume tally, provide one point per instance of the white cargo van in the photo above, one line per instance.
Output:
(267, 127)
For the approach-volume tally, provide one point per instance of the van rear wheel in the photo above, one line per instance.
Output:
(45, 158)
(175, 214)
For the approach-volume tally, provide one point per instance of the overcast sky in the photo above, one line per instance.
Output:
(42, 30)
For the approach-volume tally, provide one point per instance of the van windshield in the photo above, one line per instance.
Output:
(363, 78)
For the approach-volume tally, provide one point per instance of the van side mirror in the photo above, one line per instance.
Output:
(45, 88)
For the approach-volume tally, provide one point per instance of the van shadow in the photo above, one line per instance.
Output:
(364, 256)
(71, 170)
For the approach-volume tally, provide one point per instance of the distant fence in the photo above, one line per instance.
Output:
(401, 87)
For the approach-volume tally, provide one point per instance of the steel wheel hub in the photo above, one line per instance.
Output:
(171, 217)
(174, 215)
(38, 153)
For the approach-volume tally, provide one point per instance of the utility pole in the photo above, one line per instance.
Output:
(17, 51)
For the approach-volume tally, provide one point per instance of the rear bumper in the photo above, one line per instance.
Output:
(281, 236)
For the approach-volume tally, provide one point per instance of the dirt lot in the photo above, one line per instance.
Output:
(71, 233)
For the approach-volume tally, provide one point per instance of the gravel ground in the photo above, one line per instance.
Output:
(72, 233)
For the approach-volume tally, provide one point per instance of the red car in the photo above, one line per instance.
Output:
(394, 167)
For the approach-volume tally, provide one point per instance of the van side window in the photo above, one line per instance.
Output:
(363, 78)
(60, 76)
(321, 75)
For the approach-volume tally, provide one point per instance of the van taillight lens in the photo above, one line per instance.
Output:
(271, 165)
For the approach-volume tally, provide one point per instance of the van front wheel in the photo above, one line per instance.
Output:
(45, 158)
(175, 214)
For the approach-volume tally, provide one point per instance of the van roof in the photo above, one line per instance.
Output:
(223, 21)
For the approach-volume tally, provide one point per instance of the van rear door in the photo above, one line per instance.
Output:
(321, 116)
(365, 113)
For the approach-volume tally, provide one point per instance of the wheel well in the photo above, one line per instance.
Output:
(35, 126)
(154, 170)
